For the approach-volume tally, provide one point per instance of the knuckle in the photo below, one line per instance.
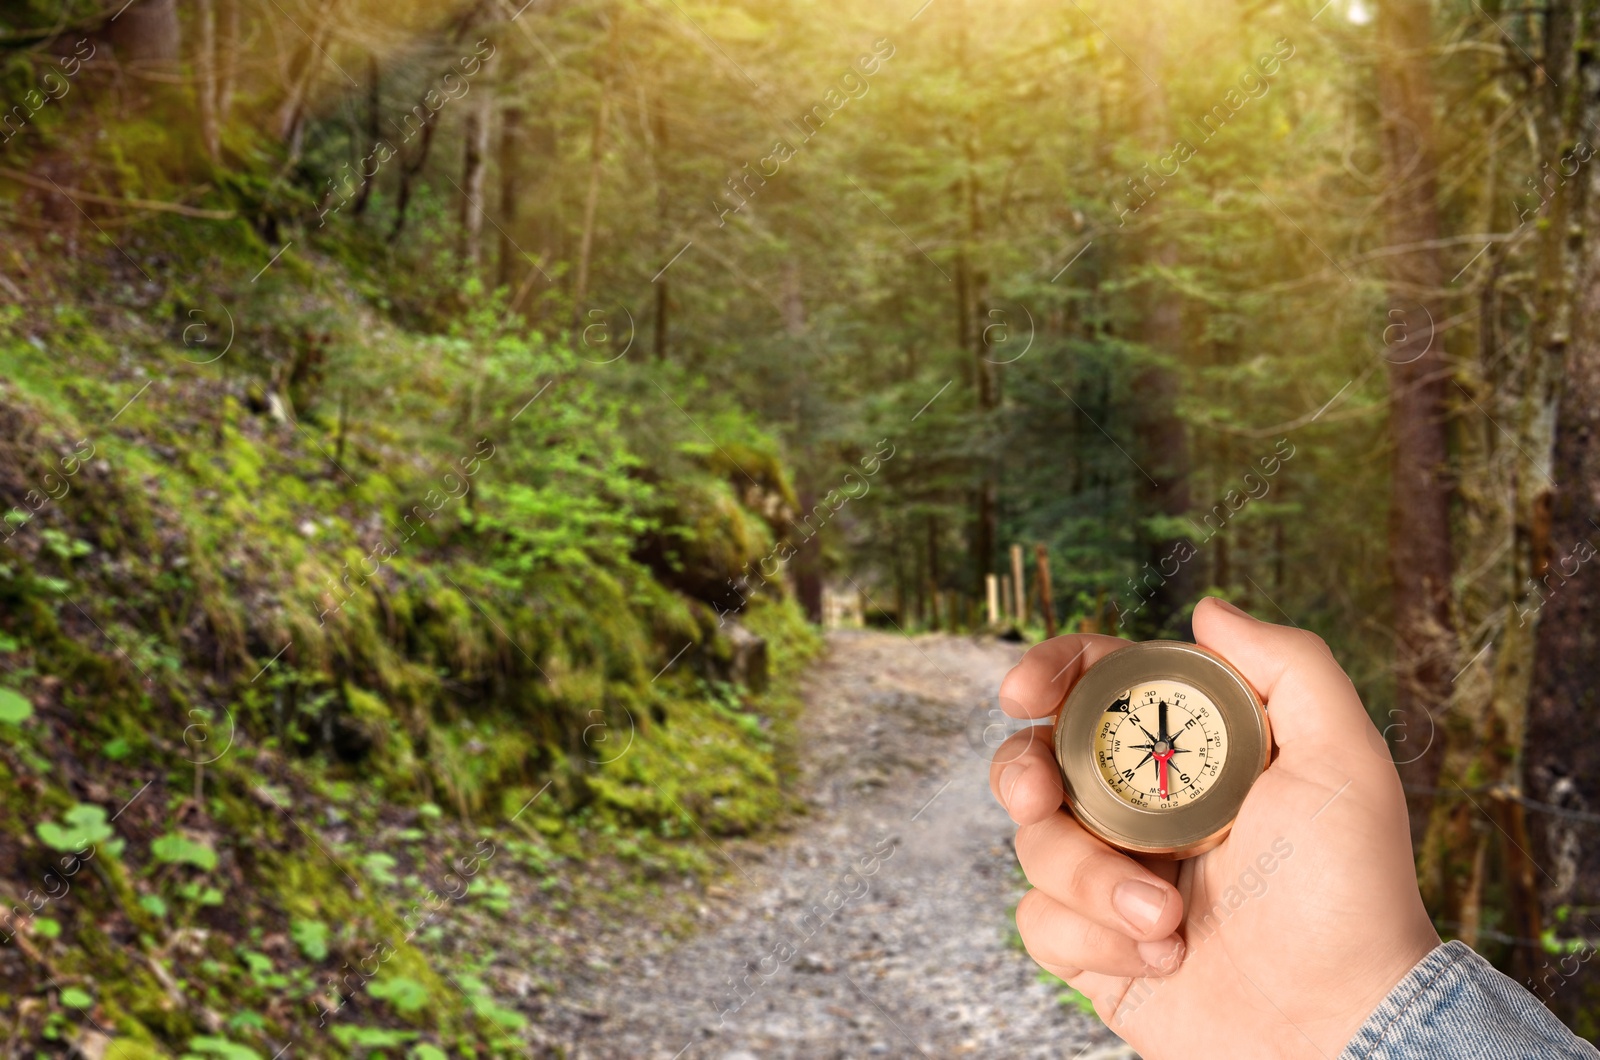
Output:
(1316, 648)
(1035, 653)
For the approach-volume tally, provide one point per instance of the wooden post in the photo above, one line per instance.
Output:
(1020, 586)
(1005, 598)
(1046, 603)
(991, 585)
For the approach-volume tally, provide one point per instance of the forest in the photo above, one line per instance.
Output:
(442, 433)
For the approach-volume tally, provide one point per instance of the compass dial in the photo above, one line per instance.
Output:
(1160, 745)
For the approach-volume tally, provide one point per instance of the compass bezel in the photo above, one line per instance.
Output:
(1183, 831)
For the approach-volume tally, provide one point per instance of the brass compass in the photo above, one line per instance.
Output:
(1158, 744)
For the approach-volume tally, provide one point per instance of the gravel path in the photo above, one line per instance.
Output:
(879, 925)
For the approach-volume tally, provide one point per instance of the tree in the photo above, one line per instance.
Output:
(1560, 592)
(1420, 554)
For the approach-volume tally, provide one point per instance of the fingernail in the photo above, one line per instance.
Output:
(1139, 903)
(1229, 607)
(1163, 957)
(1008, 781)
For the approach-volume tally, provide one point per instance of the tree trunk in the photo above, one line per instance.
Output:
(899, 586)
(986, 517)
(1420, 553)
(373, 131)
(227, 61)
(659, 133)
(808, 561)
(1560, 761)
(1163, 440)
(580, 287)
(147, 36)
(792, 299)
(663, 303)
(1047, 603)
(1535, 418)
(147, 45)
(409, 168)
(1475, 875)
(206, 79)
(511, 162)
(291, 111)
(474, 174)
(1019, 587)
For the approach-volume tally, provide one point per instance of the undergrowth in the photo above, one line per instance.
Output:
(318, 633)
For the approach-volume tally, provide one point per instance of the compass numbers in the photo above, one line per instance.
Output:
(1160, 745)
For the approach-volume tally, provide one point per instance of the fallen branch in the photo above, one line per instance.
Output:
(109, 200)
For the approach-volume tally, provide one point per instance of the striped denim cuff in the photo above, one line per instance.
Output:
(1454, 1004)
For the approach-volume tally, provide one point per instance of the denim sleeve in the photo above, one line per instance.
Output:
(1454, 1006)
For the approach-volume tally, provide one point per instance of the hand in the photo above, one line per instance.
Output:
(1279, 942)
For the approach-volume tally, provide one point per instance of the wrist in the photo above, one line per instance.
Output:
(1396, 962)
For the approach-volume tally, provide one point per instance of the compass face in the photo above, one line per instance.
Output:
(1160, 745)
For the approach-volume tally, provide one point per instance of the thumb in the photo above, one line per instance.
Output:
(1310, 701)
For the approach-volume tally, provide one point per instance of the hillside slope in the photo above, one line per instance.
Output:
(310, 622)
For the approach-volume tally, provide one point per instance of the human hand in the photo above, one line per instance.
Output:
(1280, 941)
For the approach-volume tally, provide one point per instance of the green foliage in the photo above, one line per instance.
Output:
(379, 868)
(199, 893)
(84, 825)
(312, 938)
(221, 1048)
(1067, 997)
(371, 1037)
(406, 995)
(176, 849)
(14, 709)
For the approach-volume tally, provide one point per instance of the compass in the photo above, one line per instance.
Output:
(1158, 745)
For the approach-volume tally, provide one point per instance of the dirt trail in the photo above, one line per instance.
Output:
(910, 960)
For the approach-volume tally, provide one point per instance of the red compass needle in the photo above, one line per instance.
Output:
(1162, 758)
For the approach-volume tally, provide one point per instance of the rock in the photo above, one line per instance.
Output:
(92, 1046)
(810, 962)
(748, 665)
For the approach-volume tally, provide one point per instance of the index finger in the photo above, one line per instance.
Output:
(1037, 686)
